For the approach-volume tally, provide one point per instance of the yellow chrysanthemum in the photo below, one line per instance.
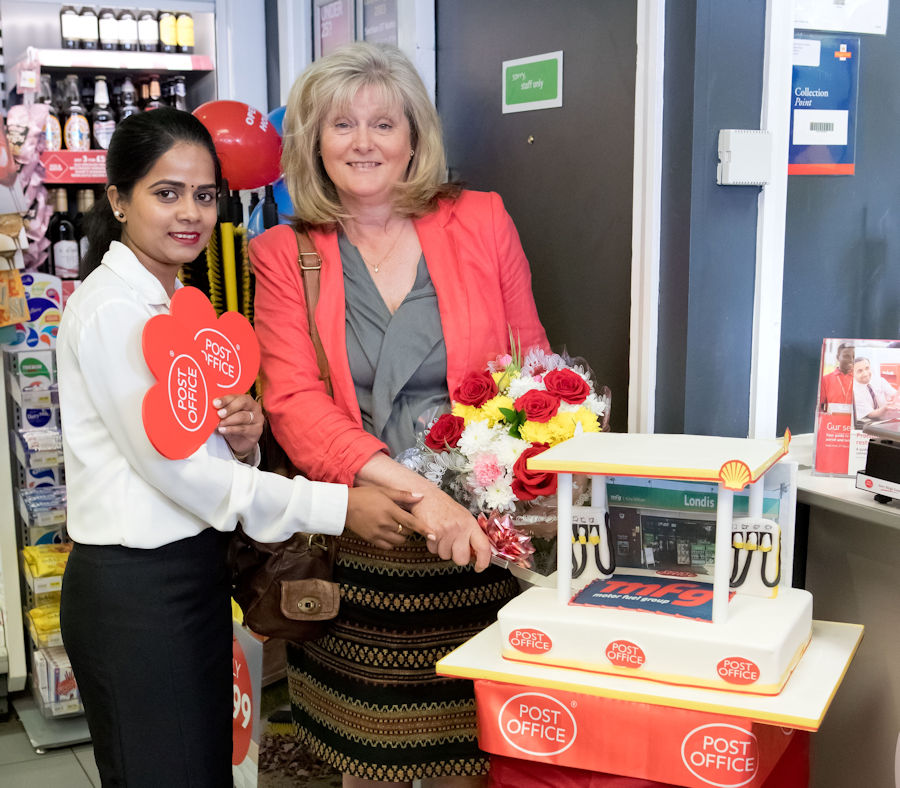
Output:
(587, 420)
(469, 413)
(492, 408)
(537, 432)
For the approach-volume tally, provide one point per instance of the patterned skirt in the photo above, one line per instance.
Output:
(365, 696)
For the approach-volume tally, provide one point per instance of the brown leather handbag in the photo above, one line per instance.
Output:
(285, 590)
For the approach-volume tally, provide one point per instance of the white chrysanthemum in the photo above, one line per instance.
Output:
(521, 385)
(476, 438)
(498, 495)
(596, 405)
(507, 448)
(568, 407)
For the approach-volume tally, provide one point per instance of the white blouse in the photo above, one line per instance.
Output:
(120, 489)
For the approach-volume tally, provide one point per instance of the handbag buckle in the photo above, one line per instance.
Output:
(317, 540)
(304, 267)
(309, 605)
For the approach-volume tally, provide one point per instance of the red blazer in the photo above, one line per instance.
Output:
(483, 286)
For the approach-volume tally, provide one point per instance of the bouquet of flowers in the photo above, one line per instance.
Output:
(517, 407)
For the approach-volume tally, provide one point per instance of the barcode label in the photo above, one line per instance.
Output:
(821, 127)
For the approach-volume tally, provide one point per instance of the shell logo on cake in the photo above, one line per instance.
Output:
(734, 475)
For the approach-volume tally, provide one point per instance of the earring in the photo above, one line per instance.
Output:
(412, 152)
(120, 216)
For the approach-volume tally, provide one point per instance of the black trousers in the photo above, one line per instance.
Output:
(148, 633)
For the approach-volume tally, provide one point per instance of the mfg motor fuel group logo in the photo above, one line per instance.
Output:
(537, 724)
(725, 756)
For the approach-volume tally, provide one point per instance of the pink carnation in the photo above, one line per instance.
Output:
(487, 470)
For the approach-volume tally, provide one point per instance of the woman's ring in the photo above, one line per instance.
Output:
(251, 416)
(399, 528)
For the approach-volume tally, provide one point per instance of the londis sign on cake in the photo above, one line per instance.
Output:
(680, 746)
(196, 358)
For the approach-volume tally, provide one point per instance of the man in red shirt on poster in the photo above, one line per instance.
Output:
(837, 386)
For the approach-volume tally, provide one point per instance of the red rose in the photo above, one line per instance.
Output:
(538, 405)
(445, 432)
(567, 385)
(476, 389)
(528, 485)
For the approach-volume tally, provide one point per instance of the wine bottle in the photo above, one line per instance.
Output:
(52, 129)
(129, 100)
(63, 243)
(84, 201)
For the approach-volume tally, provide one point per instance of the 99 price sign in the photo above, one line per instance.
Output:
(242, 712)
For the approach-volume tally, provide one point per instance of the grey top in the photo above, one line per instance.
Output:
(398, 361)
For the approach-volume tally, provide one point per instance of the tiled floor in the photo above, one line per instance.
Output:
(22, 767)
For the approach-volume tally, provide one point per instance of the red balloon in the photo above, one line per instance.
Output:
(247, 142)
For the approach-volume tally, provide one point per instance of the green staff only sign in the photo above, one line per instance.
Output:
(532, 82)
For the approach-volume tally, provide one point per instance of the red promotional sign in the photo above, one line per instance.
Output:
(242, 713)
(680, 746)
(833, 443)
(195, 358)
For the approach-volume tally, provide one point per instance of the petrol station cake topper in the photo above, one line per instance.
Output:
(195, 357)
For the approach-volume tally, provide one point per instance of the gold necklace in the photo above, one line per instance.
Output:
(377, 266)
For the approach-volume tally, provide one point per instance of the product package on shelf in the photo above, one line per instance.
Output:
(38, 449)
(43, 513)
(54, 682)
(44, 566)
(43, 625)
(44, 295)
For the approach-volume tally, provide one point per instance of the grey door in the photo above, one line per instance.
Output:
(565, 174)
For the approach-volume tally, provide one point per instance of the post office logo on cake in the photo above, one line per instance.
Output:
(726, 756)
(625, 654)
(537, 724)
(737, 670)
(530, 641)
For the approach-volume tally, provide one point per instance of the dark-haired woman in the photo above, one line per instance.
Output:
(145, 606)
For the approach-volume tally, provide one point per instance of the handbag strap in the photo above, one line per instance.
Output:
(310, 264)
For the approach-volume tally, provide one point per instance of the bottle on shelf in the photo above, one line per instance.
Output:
(168, 39)
(90, 30)
(68, 27)
(52, 130)
(127, 30)
(103, 121)
(143, 91)
(154, 94)
(87, 93)
(129, 100)
(109, 29)
(148, 31)
(84, 201)
(179, 94)
(76, 129)
(184, 32)
(63, 243)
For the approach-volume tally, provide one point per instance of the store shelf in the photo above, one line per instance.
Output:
(72, 166)
(45, 733)
(104, 60)
(47, 640)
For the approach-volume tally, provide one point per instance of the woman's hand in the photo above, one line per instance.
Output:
(379, 515)
(457, 534)
(240, 422)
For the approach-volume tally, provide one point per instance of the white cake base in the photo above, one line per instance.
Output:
(754, 651)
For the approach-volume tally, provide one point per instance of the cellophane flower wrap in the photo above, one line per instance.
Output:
(516, 407)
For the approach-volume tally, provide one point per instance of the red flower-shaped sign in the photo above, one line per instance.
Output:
(195, 358)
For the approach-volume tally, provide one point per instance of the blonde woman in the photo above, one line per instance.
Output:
(420, 281)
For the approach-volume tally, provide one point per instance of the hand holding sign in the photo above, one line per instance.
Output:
(195, 358)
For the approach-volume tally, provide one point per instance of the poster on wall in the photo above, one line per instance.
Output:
(531, 83)
(859, 385)
(824, 89)
(859, 16)
(380, 21)
(334, 24)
